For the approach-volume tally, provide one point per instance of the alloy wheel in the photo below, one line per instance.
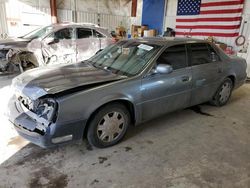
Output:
(110, 127)
(225, 92)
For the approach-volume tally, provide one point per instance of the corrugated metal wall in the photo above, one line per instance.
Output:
(112, 21)
(108, 21)
(64, 15)
(37, 13)
(23, 16)
(3, 23)
(87, 17)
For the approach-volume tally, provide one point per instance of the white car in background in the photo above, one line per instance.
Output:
(53, 44)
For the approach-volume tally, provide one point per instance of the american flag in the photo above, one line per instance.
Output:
(218, 18)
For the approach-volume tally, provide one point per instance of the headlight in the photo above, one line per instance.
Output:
(46, 108)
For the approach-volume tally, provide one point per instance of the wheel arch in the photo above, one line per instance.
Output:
(128, 104)
(232, 78)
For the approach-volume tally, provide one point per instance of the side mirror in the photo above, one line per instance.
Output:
(164, 69)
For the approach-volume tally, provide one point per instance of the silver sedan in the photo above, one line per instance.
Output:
(125, 84)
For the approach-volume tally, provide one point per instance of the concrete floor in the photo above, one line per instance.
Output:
(182, 149)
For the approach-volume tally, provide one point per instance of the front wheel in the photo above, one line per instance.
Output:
(223, 93)
(108, 126)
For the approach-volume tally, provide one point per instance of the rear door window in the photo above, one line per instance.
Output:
(200, 54)
(83, 33)
(213, 54)
(175, 56)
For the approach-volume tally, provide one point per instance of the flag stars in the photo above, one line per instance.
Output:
(188, 7)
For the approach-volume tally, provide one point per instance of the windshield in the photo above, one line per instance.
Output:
(125, 58)
(38, 33)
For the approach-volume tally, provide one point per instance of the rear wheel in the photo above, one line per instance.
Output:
(223, 93)
(108, 126)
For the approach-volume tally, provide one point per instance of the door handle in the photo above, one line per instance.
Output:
(185, 78)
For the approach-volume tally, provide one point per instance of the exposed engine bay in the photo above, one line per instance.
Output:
(13, 60)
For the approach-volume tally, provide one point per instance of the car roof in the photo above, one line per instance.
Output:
(102, 30)
(165, 40)
(72, 24)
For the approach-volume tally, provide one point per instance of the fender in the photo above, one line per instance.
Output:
(113, 98)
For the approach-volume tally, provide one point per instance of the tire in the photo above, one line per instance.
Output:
(108, 126)
(223, 93)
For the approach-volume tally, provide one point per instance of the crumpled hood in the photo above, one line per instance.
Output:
(38, 82)
(14, 43)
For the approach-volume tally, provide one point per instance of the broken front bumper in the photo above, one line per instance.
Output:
(37, 132)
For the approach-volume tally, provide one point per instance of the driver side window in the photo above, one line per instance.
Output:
(174, 56)
(66, 33)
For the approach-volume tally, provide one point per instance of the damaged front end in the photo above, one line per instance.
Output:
(3, 60)
(22, 59)
(43, 109)
(32, 118)
(12, 60)
(5, 65)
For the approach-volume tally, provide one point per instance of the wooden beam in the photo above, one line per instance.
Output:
(134, 8)
(53, 10)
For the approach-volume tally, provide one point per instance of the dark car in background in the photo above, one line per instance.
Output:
(53, 44)
(127, 83)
